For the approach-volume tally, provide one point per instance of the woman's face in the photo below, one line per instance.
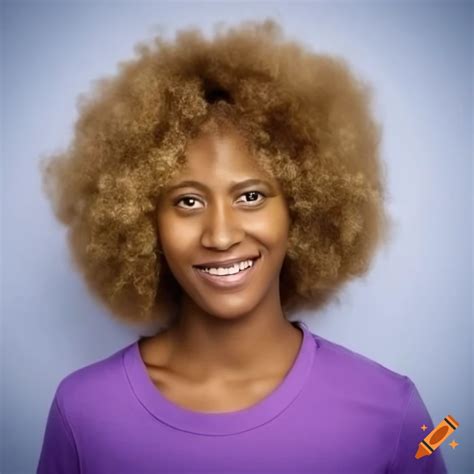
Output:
(223, 218)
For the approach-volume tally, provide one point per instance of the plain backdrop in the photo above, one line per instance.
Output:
(413, 311)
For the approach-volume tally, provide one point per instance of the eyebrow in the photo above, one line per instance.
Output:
(234, 184)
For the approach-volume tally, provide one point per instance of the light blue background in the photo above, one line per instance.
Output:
(413, 312)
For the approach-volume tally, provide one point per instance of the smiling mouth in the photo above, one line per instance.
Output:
(229, 281)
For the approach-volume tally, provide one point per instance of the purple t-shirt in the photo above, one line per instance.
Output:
(336, 411)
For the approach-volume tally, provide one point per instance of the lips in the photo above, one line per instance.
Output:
(229, 282)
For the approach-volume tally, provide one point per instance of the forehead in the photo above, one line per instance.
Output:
(219, 156)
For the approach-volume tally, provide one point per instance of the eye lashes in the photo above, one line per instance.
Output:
(178, 200)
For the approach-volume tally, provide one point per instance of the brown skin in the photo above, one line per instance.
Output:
(224, 337)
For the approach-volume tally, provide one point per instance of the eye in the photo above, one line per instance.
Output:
(254, 193)
(186, 198)
(192, 199)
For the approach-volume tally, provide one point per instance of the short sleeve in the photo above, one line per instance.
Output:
(415, 416)
(58, 453)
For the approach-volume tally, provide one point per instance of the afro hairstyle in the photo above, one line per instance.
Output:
(306, 118)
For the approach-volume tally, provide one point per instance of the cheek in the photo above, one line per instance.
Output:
(177, 234)
(174, 234)
(273, 226)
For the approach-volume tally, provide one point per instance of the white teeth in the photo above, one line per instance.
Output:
(236, 268)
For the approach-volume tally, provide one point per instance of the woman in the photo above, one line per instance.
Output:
(215, 188)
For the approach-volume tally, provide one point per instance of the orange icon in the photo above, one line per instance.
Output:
(436, 437)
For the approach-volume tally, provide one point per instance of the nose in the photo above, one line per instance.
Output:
(222, 226)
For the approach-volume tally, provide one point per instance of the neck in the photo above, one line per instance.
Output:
(205, 348)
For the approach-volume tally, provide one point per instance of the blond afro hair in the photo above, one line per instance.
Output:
(306, 118)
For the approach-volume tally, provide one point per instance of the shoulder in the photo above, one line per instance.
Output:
(91, 384)
(345, 369)
(358, 388)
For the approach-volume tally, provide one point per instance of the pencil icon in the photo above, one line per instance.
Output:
(436, 437)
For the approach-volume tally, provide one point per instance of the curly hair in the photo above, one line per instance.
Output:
(306, 118)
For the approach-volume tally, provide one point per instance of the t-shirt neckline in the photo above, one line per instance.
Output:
(226, 422)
